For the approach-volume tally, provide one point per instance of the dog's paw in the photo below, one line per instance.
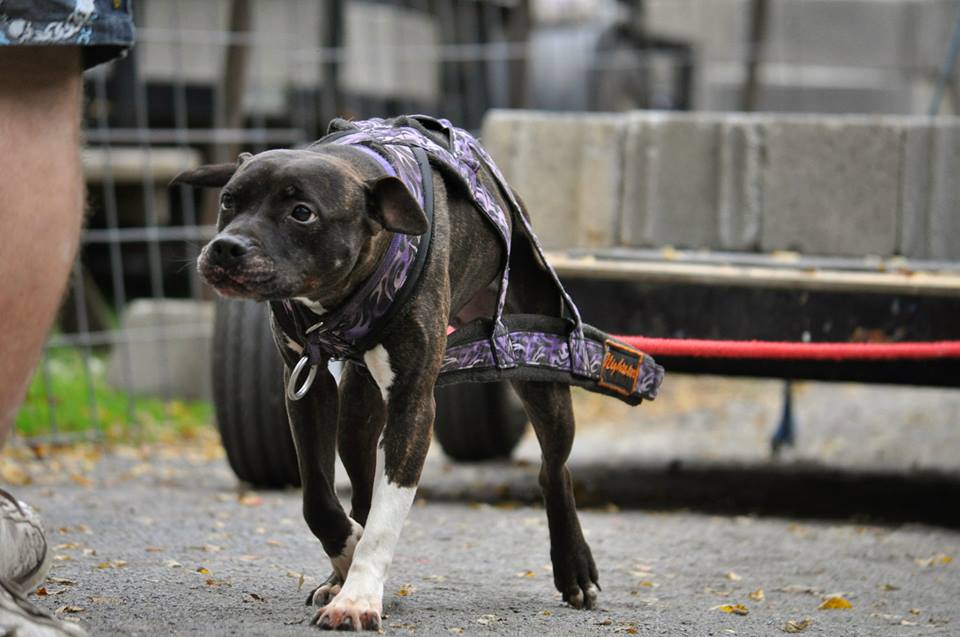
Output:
(323, 594)
(360, 612)
(577, 580)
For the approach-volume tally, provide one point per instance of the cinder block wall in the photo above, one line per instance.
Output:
(818, 184)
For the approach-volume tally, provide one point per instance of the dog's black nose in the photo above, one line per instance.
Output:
(228, 250)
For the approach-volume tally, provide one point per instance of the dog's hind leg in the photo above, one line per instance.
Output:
(551, 412)
(313, 423)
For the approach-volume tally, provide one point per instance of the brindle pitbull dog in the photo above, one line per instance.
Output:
(311, 225)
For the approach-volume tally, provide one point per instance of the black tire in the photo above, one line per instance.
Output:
(248, 397)
(479, 421)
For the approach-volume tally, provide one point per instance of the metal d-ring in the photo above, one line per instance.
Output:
(292, 392)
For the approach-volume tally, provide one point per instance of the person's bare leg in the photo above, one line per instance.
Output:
(41, 204)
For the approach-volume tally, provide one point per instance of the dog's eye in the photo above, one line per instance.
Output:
(226, 201)
(302, 214)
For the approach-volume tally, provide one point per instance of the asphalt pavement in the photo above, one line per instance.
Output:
(162, 540)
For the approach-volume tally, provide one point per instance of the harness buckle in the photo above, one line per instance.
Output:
(292, 392)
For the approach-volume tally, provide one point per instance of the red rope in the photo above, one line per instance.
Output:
(701, 348)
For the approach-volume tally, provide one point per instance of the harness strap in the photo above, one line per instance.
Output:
(542, 352)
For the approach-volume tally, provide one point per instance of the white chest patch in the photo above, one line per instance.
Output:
(378, 362)
(313, 306)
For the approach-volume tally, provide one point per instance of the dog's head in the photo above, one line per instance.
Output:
(298, 223)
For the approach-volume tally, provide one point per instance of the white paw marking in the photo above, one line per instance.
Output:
(341, 563)
(378, 363)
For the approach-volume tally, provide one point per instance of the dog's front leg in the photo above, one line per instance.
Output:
(408, 394)
(313, 423)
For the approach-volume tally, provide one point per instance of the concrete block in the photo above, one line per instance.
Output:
(568, 170)
(740, 195)
(944, 211)
(671, 180)
(831, 186)
(167, 351)
(915, 183)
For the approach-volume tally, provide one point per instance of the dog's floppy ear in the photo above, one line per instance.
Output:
(394, 208)
(210, 175)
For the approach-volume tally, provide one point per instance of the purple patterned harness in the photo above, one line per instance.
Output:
(501, 347)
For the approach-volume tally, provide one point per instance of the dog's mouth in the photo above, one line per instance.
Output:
(253, 281)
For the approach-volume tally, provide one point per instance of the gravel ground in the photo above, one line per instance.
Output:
(162, 540)
(187, 555)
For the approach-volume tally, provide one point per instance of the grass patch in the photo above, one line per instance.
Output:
(69, 390)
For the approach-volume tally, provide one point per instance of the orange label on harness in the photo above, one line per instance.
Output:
(620, 369)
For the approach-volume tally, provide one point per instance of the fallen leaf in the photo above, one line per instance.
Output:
(547, 613)
(835, 603)
(935, 560)
(82, 480)
(916, 611)
(300, 582)
(257, 598)
(105, 600)
(889, 587)
(796, 626)
(70, 609)
(486, 619)
(631, 630)
(526, 574)
(67, 547)
(203, 570)
(61, 580)
(274, 542)
(153, 549)
(604, 622)
(41, 592)
(757, 595)
(62, 558)
(733, 577)
(250, 500)
(735, 609)
(404, 590)
(647, 583)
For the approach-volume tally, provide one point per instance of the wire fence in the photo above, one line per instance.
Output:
(209, 80)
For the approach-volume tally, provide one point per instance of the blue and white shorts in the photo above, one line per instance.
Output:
(104, 28)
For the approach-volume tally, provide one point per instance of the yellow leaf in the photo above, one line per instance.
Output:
(935, 560)
(631, 630)
(733, 577)
(647, 583)
(757, 595)
(734, 609)
(526, 574)
(103, 565)
(404, 590)
(203, 570)
(796, 626)
(835, 603)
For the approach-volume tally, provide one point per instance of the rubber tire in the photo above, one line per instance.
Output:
(476, 422)
(248, 396)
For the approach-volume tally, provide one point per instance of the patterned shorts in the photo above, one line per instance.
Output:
(104, 28)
